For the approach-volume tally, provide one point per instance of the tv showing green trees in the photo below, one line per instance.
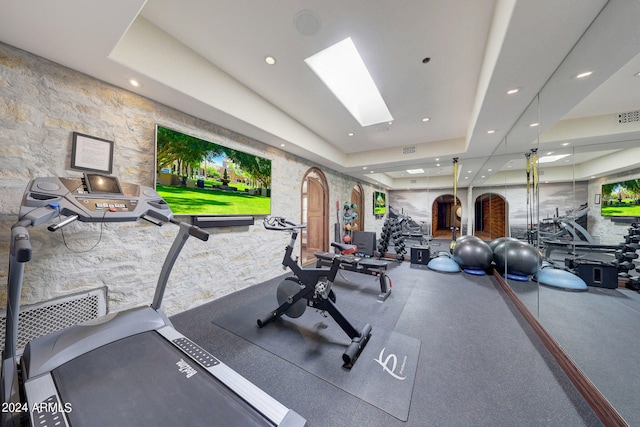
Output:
(197, 177)
(379, 203)
(621, 199)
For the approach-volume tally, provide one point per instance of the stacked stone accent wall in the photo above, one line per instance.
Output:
(41, 105)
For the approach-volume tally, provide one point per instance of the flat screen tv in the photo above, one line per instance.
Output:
(379, 203)
(201, 178)
(621, 199)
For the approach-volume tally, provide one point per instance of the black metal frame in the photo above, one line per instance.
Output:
(350, 262)
(317, 292)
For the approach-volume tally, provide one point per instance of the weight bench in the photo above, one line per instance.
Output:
(351, 262)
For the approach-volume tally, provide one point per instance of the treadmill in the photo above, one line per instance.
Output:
(129, 368)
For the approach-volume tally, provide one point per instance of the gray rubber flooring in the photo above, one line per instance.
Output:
(479, 363)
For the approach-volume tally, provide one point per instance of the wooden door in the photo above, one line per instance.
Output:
(314, 215)
(357, 198)
(490, 216)
(443, 217)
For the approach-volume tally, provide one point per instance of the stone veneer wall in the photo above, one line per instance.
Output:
(42, 103)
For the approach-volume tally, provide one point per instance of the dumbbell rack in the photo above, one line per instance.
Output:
(625, 256)
(392, 232)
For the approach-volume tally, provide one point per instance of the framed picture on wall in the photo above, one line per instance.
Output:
(91, 154)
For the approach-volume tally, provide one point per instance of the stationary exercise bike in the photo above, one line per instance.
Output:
(311, 287)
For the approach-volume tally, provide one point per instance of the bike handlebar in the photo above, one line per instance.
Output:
(281, 224)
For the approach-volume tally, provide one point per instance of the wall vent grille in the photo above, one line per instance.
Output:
(53, 315)
(629, 117)
(409, 150)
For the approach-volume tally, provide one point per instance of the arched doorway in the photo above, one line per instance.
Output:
(315, 214)
(357, 198)
(490, 216)
(443, 216)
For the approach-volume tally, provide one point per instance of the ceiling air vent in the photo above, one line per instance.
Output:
(629, 117)
(409, 150)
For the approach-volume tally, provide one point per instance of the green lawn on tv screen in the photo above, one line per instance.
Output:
(621, 210)
(199, 201)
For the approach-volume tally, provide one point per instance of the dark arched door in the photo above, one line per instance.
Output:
(446, 214)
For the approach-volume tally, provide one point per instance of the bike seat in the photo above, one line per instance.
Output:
(344, 248)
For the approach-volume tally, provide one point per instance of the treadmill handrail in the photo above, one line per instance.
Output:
(185, 231)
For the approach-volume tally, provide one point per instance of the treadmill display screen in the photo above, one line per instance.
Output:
(97, 183)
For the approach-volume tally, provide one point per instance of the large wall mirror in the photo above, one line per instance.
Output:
(552, 183)
(587, 137)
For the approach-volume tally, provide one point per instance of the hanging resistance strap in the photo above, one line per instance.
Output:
(534, 204)
(528, 156)
(454, 229)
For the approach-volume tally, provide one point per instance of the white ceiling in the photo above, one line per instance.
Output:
(206, 58)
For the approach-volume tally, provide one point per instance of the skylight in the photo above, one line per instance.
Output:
(341, 68)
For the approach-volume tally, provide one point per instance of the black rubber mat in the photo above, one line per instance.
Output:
(387, 365)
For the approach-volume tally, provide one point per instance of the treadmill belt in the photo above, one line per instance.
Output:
(143, 380)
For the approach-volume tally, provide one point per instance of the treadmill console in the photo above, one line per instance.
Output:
(94, 198)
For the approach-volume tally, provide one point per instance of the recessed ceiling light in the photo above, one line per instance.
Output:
(350, 134)
(281, 145)
(135, 83)
(426, 119)
(270, 60)
(438, 164)
(414, 171)
(549, 153)
(490, 131)
(364, 167)
(489, 170)
(342, 70)
(512, 91)
(585, 74)
(564, 144)
(532, 125)
(637, 74)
